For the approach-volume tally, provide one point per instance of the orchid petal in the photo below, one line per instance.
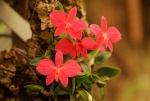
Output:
(71, 68)
(102, 48)
(99, 42)
(73, 34)
(88, 43)
(45, 66)
(83, 52)
(50, 78)
(103, 24)
(58, 18)
(64, 79)
(71, 15)
(113, 34)
(76, 29)
(59, 31)
(96, 30)
(59, 59)
(79, 25)
(64, 45)
(109, 44)
(78, 50)
(73, 52)
(79, 35)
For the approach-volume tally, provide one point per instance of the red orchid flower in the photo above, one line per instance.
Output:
(66, 24)
(58, 70)
(105, 37)
(75, 48)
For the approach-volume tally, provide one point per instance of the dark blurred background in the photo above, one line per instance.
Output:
(131, 54)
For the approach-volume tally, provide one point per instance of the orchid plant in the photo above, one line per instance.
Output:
(71, 72)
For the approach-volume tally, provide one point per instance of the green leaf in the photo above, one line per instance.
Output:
(60, 6)
(38, 88)
(46, 93)
(102, 57)
(73, 85)
(103, 92)
(92, 54)
(88, 87)
(85, 95)
(89, 80)
(73, 98)
(50, 39)
(78, 85)
(61, 91)
(85, 74)
(101, 84)
(47, 54)
(108, 71)
(66, 58)
(52, 89)
(99, 81)
(34, 86)
(80, 78)
(104, 78)
(85, 67)
(35, 61)
(61, 36)
(95, 78)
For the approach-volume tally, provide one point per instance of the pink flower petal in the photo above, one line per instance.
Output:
(50, 78)
(113, 34)
(73, 52)
(45, 66)
(59, 59)
(59, 31)
(88, 43)
(96, 30)
(64, 79)
(76, 29)
(103, 24)
(109, 44)
(78, 52)
(102, 48)
(58, 18)
(71, 15)
(83, 52)
(73, 34)
(99, 42)
(71, 68)
(64, 45)
(79, 35)
(79, 25)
